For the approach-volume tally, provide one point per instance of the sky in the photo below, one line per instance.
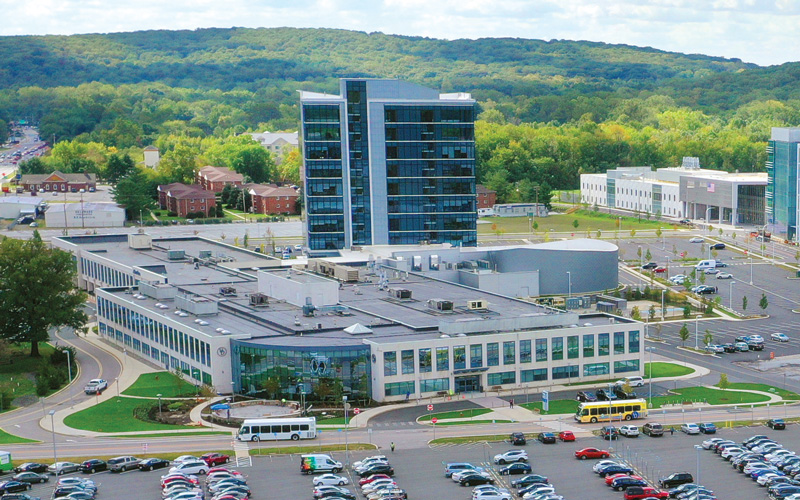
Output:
(758, 31)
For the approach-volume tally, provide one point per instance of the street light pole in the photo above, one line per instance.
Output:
(731, 293)
(650, 370)
(569, 284)
(159, 404)
(697, 449)
(696, 322)
(662, 304)
(751, 270)
(69, 374)
(346, 453)
(53, 431)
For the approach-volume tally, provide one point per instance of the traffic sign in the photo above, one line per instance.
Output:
(144, 447)
(430, 407)
(434, 420)
(356, 411)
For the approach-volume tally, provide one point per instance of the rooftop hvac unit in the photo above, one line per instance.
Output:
(477, 305)
(227, 291)
(259, 300)
(176, 254)
(484, 264)
(400, 293)
(205, 254)
(440, 305)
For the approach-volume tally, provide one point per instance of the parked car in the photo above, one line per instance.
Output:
(729, 347)
(741, 347)
(718, 246)
(605, 395)
(690, 428)
(191, 467)
(776, 424)
(780, 337)
(585, 453)
(330, 479)
(14, 486)
(724, 276)
(153, 464)
(696, 239)
(566, 436)
(615, 469)
(584, 396)
(653, 429)
(59, 468)
(377, 469)
(517, 439)
(31, 477)
(644, 492)
(546, 438)
(122, 464)
(707, 428)
(710, 443)
(511, 456)
(449, 469)
(609, 432)
(623, 483)
(516, 468)
(30, 467)
(629, 431)
(474, 479)
(715, 348)
(18, 496)
(675, 479)
(755, 345)
(213, 459)
(529, 480)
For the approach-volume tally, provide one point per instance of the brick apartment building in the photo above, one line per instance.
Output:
(486, 197)
(58, 181)
(273, 200)
(183, 199)
(215, 179)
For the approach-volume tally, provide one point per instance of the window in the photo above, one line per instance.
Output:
(619, 342)
(425, 360)
(492, 354)
(459, 357)
(626, 366)
(476, 356)
(565, 372)
(501, 378)
(572, 347)
(398, 388)
(541, 349)
(592, 369)
(602, 344)
(588, 346)
(389, 363)
(533, 375)
(525, 351)
(557, 348)
(434, 385)
(442, 359)
(633, 341)
(509, 357)
(407, 361)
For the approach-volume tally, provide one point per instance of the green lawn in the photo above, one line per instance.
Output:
(765, 388)
(473, 422)
(6, 438)
(170, 434)
(661, 369)
(472, 412)
(557, 407)
(332, 420)
(712, 396)
(150, 385)
(116, 415)
(492, 438)
(587, 221)
(17, 377)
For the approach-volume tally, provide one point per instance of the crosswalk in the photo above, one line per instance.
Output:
(478, 444)
(387, 425)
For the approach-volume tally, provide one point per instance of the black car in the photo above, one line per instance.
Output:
(14, 486)
(609, 432)
(153, 464)
(604, 395)
(517, 439)
(649, 265)
(620, 393)
(528, 480)
(718, 246)
(377, 469)
(31, 467)
(622, 483)
(18, 496)
(584, 397)
(80, 495)
(707, 428)
(546, 438)
(93, 465)
(31, 477)
(675, 479)
(473, 479)
(336, 493)
(781, 491)
(65, 490)
(729, 347)
(516, 468)
(615, 469)
(776, 423)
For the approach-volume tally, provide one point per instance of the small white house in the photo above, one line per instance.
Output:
(151, 157)
(84, 215)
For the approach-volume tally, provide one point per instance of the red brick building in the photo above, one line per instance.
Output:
(183, 199)
(215, 179)
(486, 197)
(273, 200)
(58, 181)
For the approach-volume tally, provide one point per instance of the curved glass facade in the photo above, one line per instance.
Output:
(325, 371)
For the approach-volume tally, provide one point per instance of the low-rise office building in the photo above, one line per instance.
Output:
(87, 214)
(227, 317)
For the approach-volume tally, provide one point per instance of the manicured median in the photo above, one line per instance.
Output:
(557, 407)
(789, 395)
(662, 369)
(117, 415)
(150, 385)
(446, 415)
(710, 396)
(6, 438)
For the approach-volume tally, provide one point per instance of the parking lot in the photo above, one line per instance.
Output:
(420, 472)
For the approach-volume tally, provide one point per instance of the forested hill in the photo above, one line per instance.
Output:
(250, 59)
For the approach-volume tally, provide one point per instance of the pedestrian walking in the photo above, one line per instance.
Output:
(512, 404)
(392, 446)
(672, 431)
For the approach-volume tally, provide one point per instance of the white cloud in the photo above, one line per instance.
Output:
(761, 31)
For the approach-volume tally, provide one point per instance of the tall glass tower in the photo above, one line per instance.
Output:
(782, 176)
(387, 162)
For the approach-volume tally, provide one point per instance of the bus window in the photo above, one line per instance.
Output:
(244, 430)
(594, 411)
(637, 407)
(264, 429)
(602, 410)
(276, 429)
(287, 428)
(295, 427)
(304, 427)
(585, 413)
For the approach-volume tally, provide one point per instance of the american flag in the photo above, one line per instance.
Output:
(710, 187)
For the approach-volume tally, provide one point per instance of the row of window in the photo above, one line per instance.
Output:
(439, 358)
(429, 114)
(416, 186)
(468, 238)
(430, 132)
(429, 150)
(432, 222)
(428, 168)
(105, 274)
(510, 377)
(155, 331)
(430, 204)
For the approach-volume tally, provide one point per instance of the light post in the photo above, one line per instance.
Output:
(83, 225)
(697, 449)
(731, 293)
(346, 454)
(53, 431)
(569, 284)
(751, 270)
(159, 404)
(650, 371)
(696, 338)
(69, 374)
(641, 264)
(663, 239)
(662, 304)
(116, 383)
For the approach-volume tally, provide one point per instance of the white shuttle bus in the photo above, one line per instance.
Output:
(272, 429)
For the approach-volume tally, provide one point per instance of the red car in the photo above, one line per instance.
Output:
(566, 436)
(610, 479)
(371, 478)
(642, 492)
(591, 453)
(660, 270)
(213, 459)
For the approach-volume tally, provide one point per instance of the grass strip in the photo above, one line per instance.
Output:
(169, 434)
(150, 385)
(473, 422)
(446, 415)
(6, 438)
(557, 407)
(117, 415)
(293, 450)
(764, 388)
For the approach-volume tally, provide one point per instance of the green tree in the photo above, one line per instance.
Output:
(659, 233)
(635, 314)
(683, 334)
(132, 193)
(633, 233)
(651, 313)
(723, 381)
(34, 166)
(763, 303)
(575, 223)
(118, 167)
(648, 256)
(38, 291)
(744, 303)
(708, 338)
(687, 311)
(178, 165)
(733, 235)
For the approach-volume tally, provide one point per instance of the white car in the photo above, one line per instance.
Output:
(331, 479)
(690, 428)
(486, 487)
(371, 459)
(756, 338)
(188, 495)
(724, 276)
(95, 386)
(750, 468)
(538, 491)
(708, 443)
(377, 485)
(780, 337)
(492, 495)
(715, 348)
(778, 454)
(191, 467)
(629, 430)
(366, 463)
(763, 478)
(185, 458)
(602, 463)
(511, 456)
(696, 239)
(731, 452)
